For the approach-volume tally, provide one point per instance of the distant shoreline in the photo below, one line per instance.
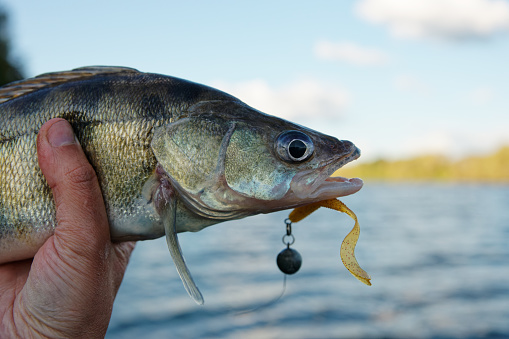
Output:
(492, 168)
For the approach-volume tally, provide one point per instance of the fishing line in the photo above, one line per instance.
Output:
(267, 304)
(289, 262)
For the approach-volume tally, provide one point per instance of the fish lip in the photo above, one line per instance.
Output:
(316, 185)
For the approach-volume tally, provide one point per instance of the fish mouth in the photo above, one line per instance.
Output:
(338, 187)
(318, 184)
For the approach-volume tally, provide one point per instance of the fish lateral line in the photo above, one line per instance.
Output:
(347, 251)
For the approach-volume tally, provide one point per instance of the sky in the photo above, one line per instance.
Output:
(398, 78)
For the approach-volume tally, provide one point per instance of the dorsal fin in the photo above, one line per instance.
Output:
(19, 88)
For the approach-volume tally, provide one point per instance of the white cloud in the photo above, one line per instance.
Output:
(301, 99)
(349, 52)
(482, 95)
(408, 82)
(444, 19)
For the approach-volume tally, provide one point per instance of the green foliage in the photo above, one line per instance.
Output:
(489, 168)
(9, 70)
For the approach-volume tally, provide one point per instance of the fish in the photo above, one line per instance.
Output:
(170, 155)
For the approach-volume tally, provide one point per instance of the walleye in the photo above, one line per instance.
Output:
(170, 155)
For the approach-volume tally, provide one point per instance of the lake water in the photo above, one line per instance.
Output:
(438, 255)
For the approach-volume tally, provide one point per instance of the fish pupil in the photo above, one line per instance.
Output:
(297, 149)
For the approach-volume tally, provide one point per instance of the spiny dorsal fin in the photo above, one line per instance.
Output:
(19, 88)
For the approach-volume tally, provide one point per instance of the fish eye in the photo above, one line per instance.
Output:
(294, 146)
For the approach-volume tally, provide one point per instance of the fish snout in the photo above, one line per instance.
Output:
(347, 145)
(351, 149)
(344, 148)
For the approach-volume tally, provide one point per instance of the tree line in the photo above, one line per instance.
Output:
(10, 70)
(487, 168)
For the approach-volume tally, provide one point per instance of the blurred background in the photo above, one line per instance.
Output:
(420, 86)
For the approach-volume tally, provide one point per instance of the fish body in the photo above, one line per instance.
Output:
(170, 156)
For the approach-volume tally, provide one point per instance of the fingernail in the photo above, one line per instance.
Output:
(60, 134)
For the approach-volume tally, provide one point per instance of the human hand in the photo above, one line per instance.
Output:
(67, 290)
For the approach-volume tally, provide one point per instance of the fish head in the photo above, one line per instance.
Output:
(227, 160)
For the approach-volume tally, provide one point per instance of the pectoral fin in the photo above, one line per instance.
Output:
(170, 228)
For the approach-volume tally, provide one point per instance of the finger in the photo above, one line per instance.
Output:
(75, 276)
(123, 252)
(13, 277)
(81, 216)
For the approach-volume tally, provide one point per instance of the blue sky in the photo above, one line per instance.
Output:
(398, 78)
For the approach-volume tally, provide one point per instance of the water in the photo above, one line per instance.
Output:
(438, 256)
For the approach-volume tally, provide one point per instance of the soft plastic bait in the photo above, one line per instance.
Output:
(348, 245)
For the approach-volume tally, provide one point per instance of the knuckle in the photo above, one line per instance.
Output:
(82, 175)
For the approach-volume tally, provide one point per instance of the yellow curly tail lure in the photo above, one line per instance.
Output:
(348, 245)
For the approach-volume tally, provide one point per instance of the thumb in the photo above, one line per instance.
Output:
(75, 276)
(80, 212)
